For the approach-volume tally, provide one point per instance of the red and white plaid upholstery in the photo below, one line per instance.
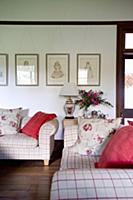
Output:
(78, 179)
(18, 140)
(71, 160)
(20, 146)
(98, 184)
(70, 135)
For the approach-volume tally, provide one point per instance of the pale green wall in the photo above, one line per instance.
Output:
(66, 10)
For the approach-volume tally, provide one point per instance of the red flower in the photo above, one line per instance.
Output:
(86, 99)
(100, 139)
(87, 127)
(89, 152)
(13, 124)
(3, 117)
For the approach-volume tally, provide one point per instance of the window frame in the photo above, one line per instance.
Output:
(122, 53)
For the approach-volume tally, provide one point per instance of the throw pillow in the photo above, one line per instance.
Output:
(130, 122)
(9, 120)
(92, 134)
(118, 152)
(24, 114)
(32, 127)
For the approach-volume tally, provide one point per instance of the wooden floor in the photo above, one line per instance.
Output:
(27, 180)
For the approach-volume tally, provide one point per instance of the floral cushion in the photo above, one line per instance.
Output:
(92, 134)
(9, 120)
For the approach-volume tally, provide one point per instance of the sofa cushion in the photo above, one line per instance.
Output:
(32, 127)
(24, 113)
(130, 122)
(9, 120)
(24, 121)
(17, 140)
(92, 134)
(118, 152)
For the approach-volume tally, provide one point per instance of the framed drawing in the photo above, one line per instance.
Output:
(27, 69)
(88, 69)
(3, 69)
(57, 69)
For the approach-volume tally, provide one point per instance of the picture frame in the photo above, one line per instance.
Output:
(88, 69)
(57, 69)
(3, 69)
(27, 69)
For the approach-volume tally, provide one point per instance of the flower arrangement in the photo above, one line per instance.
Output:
(86, 99)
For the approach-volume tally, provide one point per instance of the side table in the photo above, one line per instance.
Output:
(69, 122)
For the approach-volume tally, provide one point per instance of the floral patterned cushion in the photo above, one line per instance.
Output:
(9, 120)
(92, 134)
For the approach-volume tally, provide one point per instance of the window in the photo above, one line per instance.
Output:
(124, 94)
(128, 40)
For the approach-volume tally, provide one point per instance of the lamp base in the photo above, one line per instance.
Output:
(69, 108)
(69, 117)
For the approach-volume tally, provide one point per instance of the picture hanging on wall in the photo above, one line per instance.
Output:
(27, 69)
(57, 69)
(88, 69)
(3, 69)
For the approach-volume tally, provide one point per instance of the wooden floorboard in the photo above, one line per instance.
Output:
(28, 180)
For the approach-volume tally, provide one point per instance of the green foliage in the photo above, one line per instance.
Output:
(86, 99)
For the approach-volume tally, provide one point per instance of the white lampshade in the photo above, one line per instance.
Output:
(69, 90)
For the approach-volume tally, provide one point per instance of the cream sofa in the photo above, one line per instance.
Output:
(21, 146)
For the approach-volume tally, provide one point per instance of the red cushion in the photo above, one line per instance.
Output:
(119, 151)
(32, 127)
(130, 122)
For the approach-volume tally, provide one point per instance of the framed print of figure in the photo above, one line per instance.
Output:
(27, 69)
(57, 69)
(88, 69)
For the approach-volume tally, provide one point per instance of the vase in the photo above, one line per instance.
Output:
(86, 113)
(94, 114)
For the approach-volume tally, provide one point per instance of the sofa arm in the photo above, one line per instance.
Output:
(47, 131)
(46, 139)
(70, 135)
